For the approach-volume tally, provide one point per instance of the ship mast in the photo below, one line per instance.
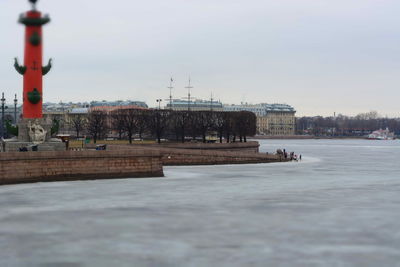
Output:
(189, 87)
(170, 92)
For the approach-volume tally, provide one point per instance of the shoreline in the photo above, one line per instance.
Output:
(123, 161)
(305, 137)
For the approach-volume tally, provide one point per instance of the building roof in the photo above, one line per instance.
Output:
(194, 103)
(79, 111)
(112, 108)
(260, 109)
(278, 108)
(118, 103)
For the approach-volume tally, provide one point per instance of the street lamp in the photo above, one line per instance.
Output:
(3, 102)
(159, 103)
(15, 109)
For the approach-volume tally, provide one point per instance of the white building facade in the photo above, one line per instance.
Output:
(272, 119)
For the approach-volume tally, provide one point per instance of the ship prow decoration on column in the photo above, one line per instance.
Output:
(32, 69)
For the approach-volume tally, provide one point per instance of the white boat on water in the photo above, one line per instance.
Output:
(381, 135)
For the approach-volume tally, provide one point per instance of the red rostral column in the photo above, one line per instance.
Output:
(32, 70)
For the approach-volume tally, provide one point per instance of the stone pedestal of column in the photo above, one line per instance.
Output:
(24, 140)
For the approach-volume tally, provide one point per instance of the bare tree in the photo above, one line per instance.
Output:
(244, 125)
(130, 122)
(158, 122)
(191, 124)
(249, 124)
(341, 125)
(372, 115)
(204, 123)
(78, 123)
(117, 121)
(142, 121)
(230, 126)
(178, 124)
(220, 121)
(97, 124)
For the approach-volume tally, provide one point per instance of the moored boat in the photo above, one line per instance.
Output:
(381, 135)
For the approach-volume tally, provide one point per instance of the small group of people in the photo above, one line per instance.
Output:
(291, 156)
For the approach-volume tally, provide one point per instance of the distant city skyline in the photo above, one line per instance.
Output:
(320, 57)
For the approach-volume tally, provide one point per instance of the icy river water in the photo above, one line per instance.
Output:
(340, 206)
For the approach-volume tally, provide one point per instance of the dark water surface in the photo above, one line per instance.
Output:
(339, 207)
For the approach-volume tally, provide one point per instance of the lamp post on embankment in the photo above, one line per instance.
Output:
(3, 107)
(15, 109)
(159, 103)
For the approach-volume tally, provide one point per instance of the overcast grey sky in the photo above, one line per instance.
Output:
(320, 56)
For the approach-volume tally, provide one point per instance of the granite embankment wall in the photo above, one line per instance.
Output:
(176, 157)
(122, 161)
(260, 137)
(172, 156)
(250, 147)
(24, 167)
